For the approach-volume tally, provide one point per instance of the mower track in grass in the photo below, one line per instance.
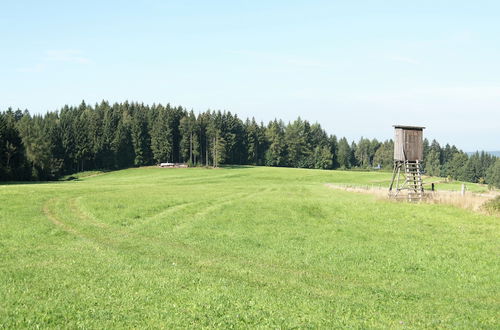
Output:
(50, 214)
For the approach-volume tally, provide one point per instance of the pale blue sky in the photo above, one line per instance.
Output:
(357, 67)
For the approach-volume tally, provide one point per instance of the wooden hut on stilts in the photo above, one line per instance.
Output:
(408, 156)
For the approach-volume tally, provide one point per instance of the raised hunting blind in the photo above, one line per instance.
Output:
(408, 157)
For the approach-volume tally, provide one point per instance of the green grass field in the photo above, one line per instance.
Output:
(240, 247)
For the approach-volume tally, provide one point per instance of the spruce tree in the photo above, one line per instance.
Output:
(161, 137)
(276, 153)
(344, 154)
(493, 174)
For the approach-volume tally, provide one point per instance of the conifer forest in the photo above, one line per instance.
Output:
(113, 136)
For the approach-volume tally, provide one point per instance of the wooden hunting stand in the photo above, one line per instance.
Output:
(408, 156)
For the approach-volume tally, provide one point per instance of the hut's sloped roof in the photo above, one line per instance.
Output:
(417, 128)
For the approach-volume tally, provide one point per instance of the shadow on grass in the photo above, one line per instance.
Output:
(236, 167)
(12, 183)
(70, 177)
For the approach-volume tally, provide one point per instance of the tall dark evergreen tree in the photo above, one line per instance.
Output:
(364, 152)
(298, 143)
(37, 146)
(455, 166)
(140, 136)
(276, 153)
(384, 156)
(81, 129)
(493, 174)
(344, 154)
(253, 141)
(334, 147)
(13, 162)
(161, 137)
(189, 138)
(121, 145)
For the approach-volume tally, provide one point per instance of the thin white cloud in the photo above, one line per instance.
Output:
(40, 67)
(283, 59)
(66, 55)
(52, 56)
(306, 63)
(403, 59)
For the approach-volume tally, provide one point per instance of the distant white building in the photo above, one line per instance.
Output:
(173, 165)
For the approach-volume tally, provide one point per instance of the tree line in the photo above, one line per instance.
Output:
(105, 136)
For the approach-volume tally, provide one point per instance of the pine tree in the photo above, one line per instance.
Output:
(493, 174)
(234, 137)
(219, 149)
(276, 153)
(252, 141)
(384, 156)
(352, 156)
(298, 143)
(110, 123)
(203, 122)
(3, 143)
(433, 165)
(140, 136)
(188, 143)
(344, 154)
(471, 168)
(322, 157)
(455, 166)
(485, 161)
(363, 153)
(334, 147)
(83, 146)
(15, 162)
(66, 119)
(53, 134)
(217, 143)
(37, 146)
(122, 149)
(161, 137)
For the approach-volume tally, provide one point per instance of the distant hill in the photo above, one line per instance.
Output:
(494, 153)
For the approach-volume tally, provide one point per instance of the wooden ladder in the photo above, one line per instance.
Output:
(413, 181)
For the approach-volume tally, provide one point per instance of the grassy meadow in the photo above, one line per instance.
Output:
(240, 247)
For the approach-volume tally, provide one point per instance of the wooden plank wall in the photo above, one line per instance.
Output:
(408, 142)
(398, 144)
(413, 145)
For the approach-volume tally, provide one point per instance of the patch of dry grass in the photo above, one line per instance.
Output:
(469, 201)
(493, 206)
